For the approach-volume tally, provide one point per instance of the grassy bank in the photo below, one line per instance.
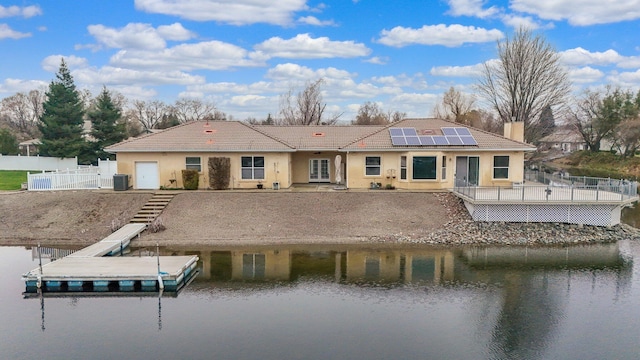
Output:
(600, 164)
(12, 179)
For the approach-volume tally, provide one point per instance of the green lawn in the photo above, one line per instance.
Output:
(12, 179)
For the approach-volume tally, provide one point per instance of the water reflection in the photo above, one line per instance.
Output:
(368, 301)
(393, 264)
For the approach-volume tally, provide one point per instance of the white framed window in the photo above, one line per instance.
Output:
(373, 166)
(444, 168)
(193, 163)
(252, 167)
(403, 168)
(500, 167)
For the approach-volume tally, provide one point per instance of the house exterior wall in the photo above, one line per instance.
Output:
(170, 166)
(300, 165)
(390, 170)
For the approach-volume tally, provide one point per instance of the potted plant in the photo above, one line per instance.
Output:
(259, 185)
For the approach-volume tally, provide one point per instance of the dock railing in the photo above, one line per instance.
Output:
(541, 187)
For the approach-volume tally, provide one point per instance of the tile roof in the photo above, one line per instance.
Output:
(202, 136)
(221, 136)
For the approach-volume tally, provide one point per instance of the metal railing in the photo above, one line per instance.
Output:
(554, 188)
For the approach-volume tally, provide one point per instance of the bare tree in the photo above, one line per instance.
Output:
(305, 108)
(149, 114)
(22, 111)
(186, 110)
(371, 113)
(610, 115)
(455, 106)
(526, 78)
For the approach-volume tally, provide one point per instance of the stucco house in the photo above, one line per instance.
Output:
(409, 154)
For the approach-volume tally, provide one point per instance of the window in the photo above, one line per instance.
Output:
(424, 167)
(403, 168)
(372, 166)
(253, 266)
(253, 168)
(444, 168)
(193, 163)
(500, 167)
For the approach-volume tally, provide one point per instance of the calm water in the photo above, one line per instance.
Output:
(347, 303)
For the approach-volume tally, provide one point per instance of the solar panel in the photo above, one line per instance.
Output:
(398, 140)
(449, 131)
(427, 140)
(454, 140)
(440, 140)
(453, 136)
(409, 132)
(468, 140)
(413, 140)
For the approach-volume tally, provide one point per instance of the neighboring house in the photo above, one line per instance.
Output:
(409, 154)
(565, 139)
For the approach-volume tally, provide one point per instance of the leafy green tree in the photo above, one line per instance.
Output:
(62, 118)
(8, 143)
(107, 127)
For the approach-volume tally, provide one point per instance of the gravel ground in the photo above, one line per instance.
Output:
(79, 218)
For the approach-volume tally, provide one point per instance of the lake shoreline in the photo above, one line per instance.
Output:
(206, 218)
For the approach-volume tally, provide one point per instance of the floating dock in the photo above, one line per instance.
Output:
(92, 270)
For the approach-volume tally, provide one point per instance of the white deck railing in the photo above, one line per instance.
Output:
(557, 189)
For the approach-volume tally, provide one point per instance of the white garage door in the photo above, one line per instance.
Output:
(147, 175)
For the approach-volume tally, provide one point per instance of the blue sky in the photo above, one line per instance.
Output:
(242, 54)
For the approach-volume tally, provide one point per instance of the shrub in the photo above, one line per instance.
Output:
(219, 173)
(190, 179)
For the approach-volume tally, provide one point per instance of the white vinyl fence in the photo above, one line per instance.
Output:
(42, 163)
(80, 178)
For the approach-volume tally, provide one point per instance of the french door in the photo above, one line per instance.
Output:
(319, 170)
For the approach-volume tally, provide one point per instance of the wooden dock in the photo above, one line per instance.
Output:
(92, 270)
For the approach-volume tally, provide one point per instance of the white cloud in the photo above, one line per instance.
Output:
(7, 33)
(312, 20)
(447, 35)
(457, 71)
(52, 62)
(12, 86)
(109, 75)
(585, 75)
(518, 21)
(235, 12)
(378, 60)
(295, 72)
(581, 12)
(305, 47)
(138, 35)
(25, 12)
(626, 79)
(580, 57)
(211, 55)
(471, 8)
(247, 100)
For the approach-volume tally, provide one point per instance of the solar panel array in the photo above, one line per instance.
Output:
(452, 136)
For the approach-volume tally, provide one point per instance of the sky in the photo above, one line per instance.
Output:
(242, 55)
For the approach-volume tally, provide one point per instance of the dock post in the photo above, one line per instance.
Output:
(39, 259)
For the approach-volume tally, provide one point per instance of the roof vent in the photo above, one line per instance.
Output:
(317, 134)
(427, 132)
(209, 131)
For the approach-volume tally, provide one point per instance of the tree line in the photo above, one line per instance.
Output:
(527, 83)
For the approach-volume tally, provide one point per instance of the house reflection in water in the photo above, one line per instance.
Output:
(389, 264)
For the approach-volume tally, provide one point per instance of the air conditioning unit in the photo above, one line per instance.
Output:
(120, 182)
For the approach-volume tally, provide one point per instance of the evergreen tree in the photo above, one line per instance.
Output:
(62, 118)
(106, 125)
(8, 143)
